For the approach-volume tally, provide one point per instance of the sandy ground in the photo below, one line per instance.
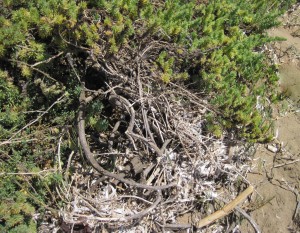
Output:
(276, 176)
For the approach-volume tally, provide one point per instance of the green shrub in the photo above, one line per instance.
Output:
(16, 213)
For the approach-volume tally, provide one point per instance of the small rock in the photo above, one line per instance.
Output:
(272, 148)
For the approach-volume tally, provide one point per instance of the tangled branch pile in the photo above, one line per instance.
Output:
(153, 94)
(163, 163)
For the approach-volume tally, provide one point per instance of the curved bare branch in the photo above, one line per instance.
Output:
(90, 157)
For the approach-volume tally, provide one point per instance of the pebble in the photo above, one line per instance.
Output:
(272, 148)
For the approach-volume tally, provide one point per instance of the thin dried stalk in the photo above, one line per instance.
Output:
(227, 209)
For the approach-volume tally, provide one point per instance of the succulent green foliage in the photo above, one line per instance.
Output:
(16, 214)
(94, 118)
(231, 71)
(29, 34)
(224, 34)
(21, 195)
(11, 105)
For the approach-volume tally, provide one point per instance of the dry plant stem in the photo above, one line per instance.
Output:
(198, 100)
(136, 197)
(248, 217)
(129, 131)
(139, 215)
(70, 60)
(287, 163)
(68, 166)
(29, 173)
(226, 209)
(17, 141)
(146, 123)
(48, 60)
(35, 69)
(148, 210)
(297, 210)
(90, 156)
(59, 153)
(176, 226)
(295, 191)
(98, 92)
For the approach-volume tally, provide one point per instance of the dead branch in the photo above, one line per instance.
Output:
(287, 163)
(90, 157)
(227, 209)
(148, 210)
(248, 217)
(45, 172)
(176, 226)
(129, 131)
(47, 60)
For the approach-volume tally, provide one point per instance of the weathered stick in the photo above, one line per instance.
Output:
(287, 163)
(226, 209)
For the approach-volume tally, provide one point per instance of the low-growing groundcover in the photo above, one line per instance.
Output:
(55, 55)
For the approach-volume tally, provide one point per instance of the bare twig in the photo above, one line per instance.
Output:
(148, 210)
(47, 60)
(48, 171)
(59, 153)
(136, 197)
(146, 123)
(70, 61)
(139, 215)
(175, 226)
(225, 210)
(248, 217)
(287, 163)
(18, 141)
(68, 166)
(35, 69)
